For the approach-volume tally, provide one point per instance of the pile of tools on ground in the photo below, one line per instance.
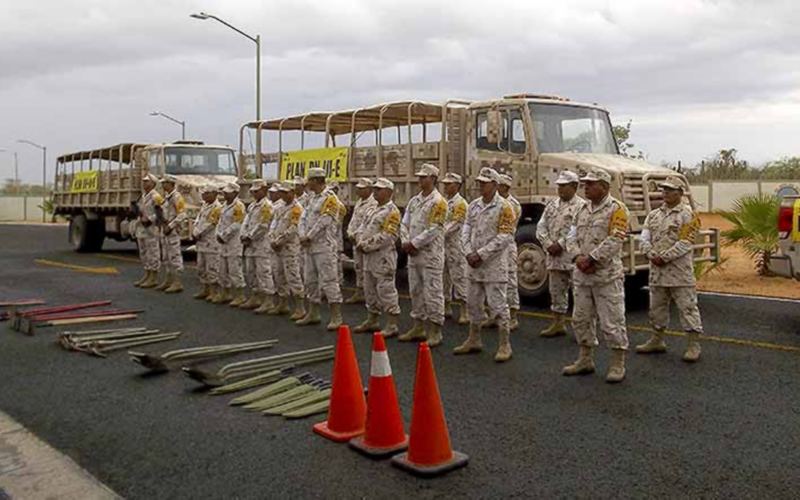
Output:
(100, 343)
(29, 320)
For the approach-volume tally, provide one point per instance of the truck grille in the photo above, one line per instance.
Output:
(640, 192)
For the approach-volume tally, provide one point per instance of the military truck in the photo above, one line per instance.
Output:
(98, 189)
(530, 137)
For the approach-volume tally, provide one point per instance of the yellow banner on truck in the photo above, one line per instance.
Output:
(85, 182)
(333, 160)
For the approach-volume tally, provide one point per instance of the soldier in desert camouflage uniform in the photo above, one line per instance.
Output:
(363, 208)
(206, 242)
(285, 242)
(333, 187)
(377, 242)
(504, 189)
(174, 217)
(667, 239)
(147, 233)
(455, 263)
(488, 231)
(255, 239)
(595, 240)
(229, 227)
(552, 231)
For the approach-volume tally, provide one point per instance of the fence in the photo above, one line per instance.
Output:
(721, 195)
(21, 208)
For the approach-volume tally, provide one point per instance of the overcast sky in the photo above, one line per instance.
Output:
(694, 76)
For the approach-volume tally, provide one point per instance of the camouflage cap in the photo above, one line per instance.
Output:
(567, 177)
(363, 182)
(452, 178)
(505, 180)
(595, 175)
(672, 182)
(316, 173)
(231, 187)
(169, 178)
(488, 175)
(152, 178)
(258, 184)
(275, 187)
(299, 180)
(427, 170)
(383, 183)
(286, 186)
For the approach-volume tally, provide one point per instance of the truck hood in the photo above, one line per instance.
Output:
(613, 164)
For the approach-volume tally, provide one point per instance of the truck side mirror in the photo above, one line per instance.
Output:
(493, 120)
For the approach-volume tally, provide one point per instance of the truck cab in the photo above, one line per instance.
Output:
(786, 262)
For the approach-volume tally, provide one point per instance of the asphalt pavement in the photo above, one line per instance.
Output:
(724, 427)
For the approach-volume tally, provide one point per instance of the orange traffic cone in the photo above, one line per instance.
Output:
(429, 452)
(384, 435)
(348, 409)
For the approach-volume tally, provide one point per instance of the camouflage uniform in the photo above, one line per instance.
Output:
(670, 234)
(455, 265)
(513, 282)
(283, 234)
(229, 229)
(148, 238)
(274, 260)
(174, 217)
(361, 213)
(208, 248)
(552, 228)
(256, 227)
(319, 225)
(423, 226)
(340, 240)
(599, 231)
(377, 238)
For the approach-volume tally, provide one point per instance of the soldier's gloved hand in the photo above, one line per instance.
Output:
(305, 241)
(167, 230)
(474, 260)
(658, 261)
(246, 241)
(555, 249)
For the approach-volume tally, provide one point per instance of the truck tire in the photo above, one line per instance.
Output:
(531, 263)
(86, 235)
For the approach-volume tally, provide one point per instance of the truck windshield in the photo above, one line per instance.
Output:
(199, 161)
(570, 129)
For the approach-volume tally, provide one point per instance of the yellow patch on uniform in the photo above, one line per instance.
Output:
(238, 212)
(392, 223)
(215, 214)
(266, 213)
(459, 211)
(330, 207)
(180, 205)
(689, 231)
(295, 214)
(438, 212)
(505, 223)
(157, 199)
(619, 222)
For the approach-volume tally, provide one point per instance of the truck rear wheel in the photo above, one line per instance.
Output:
(531, 263)
(86, 235)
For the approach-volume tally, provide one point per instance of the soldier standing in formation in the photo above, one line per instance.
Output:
(207, 245)
(376, 241)
(318, 229)
(174, 208)
(422, 237)
(231, 276)
(255, 239)
(300, 192)
(488, 231)
(284, 239)
(333, 187)
(552, 231)
(504, 190)
(455, 263)
(147, 237)
(595, 240)
(667, 239)
(364, 206)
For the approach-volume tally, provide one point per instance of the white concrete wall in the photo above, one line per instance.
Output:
(21, 208)
(721, 195)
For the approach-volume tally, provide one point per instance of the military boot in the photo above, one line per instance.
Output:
(151, 281)
(213, 292)
(692, 352)
(463, 317)
(142, 279)
(356, 298)
(336, 320)
(473, 342)
(556, 329)
(166, 283)
(416, 333)
(266, 304)
(299, 308)
(655, 344)
(616, 371)
(504, 344)
(584, 364)
(448, 309)
(224, 296)
(175, 285)
(513, 323)
(370, 325)
(490, 323)
(203, 292)
(434, 334)
(239, 298)
(312, 317)
(253, 302)
(391, 329)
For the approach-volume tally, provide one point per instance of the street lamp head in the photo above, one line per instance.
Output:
(154, 113)
(201, 16)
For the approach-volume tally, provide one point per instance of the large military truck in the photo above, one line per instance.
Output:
(98, 189)
(531, 137)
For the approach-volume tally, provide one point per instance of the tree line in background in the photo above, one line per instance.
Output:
(11, 188)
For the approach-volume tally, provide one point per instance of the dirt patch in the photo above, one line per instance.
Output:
(739, 275)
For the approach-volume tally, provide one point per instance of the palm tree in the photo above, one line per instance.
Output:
(755, 228)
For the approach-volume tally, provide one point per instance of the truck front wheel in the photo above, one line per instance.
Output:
(86, 235)
(531, 263)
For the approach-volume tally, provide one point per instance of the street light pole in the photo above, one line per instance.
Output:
(179, 122)
(16, 169)
(255, 39)
(44, 173)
